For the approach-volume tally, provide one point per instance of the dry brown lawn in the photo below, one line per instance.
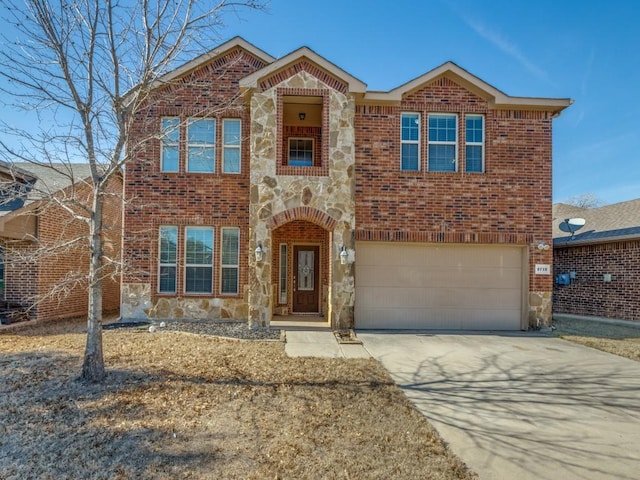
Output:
(178, 405)
(617, 339)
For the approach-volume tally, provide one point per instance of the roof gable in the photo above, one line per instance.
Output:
(253, 81)
(219, 51)
(459, 75)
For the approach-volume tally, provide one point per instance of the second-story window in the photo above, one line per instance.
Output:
(201, 139)
(443, 139)
(170, 146)
(410, 141)
(474, 135)
(300, 152)
(231, 132)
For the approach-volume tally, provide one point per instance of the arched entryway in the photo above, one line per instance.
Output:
(301, 269)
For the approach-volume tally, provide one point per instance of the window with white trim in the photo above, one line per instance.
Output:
(474, 136)
(410, 141)
(170, 144)
(230, 267)
(300, 152)
(283, 273)
(231, 136)
(201, 150)
(198, 276)
(167, 259)
(443, 140)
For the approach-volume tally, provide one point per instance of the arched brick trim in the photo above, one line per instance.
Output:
(309, 214)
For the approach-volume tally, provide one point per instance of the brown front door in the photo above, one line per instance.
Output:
(305, 279)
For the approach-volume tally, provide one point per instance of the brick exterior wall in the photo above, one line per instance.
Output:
(158, 198)
(51, 276)
(588, 294)
(510, 203)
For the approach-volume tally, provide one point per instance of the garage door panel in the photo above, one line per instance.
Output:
(416, 286)
(395, 297)
(434, 277)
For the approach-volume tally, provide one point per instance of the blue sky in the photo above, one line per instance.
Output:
(584, 50)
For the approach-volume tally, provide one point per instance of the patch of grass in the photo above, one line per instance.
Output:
(617, 339)
(178, 405)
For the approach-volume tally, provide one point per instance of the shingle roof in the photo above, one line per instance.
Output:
(604, 224)
(46, 179)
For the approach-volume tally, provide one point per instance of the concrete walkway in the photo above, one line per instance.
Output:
(521, 406)
(317, 343)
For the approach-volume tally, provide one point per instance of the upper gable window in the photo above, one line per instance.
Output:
(410, 141)
(201, 145)
(231, 134)
(300, 152)
(170, 145)
(443, 141)
(474, 152)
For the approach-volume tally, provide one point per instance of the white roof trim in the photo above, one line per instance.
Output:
(251, 81)
(211, 54)
(495, 96)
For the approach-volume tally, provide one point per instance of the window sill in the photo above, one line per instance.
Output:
(302, 171)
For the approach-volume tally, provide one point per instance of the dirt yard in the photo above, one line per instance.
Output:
(180, 405)
(616, 339)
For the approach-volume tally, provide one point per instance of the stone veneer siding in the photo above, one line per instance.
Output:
(589, 294)
(324, 192)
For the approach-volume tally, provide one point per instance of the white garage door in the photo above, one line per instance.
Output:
(418, 286)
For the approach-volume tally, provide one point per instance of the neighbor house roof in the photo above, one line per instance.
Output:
(38, 180)
(619, 221)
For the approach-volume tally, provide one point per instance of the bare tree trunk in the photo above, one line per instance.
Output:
(93, 366)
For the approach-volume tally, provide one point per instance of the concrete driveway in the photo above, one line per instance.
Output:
(521, 406)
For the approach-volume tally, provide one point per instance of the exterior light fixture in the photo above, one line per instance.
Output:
(344, 256)
(543, 246)
(259, 253)
(302, 115)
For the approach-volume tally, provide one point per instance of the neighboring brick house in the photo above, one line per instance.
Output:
(601, 261)
(44, 258)
(264, 186)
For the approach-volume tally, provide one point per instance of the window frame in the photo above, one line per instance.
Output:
(198, 265)
(224, 266)
(202, 145)
(164, 144)
(283, 274)
(226, 147)
(453, 143)
(313, 151)
(475, 144)
(162, 264)
(411, 142)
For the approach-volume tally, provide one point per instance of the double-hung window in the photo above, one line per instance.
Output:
(443, 139)
(198, 260)
(300, 152)
(230, 261)
(170, 145)
(474, 128)
(410, 141)
(167, 261)
(231, 132)
(201, 139)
